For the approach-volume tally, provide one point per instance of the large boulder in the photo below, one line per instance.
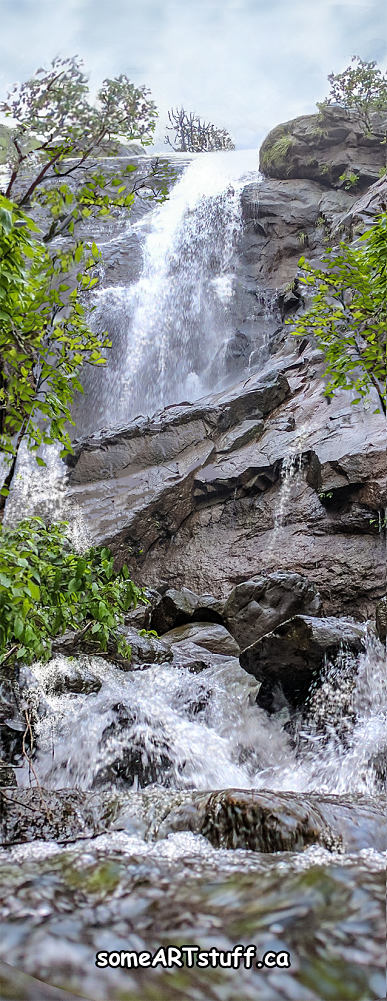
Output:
(209, 635)
(257, 606)
(328, 147)
(179, 606)
(287, 660)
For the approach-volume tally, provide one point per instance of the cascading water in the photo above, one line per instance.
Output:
(168, 327)
(204, 731)
(165, 729)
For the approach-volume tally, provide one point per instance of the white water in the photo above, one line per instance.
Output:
(168, 328)
(205, 731)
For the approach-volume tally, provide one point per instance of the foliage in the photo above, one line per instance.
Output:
(361, 89)
(56, 132)
(49, 154)
(46, 589)
(348, 314)
(349, 179)
(44, 336)
(275, 154)
(194, 135)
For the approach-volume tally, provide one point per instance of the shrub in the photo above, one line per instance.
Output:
(46, 589)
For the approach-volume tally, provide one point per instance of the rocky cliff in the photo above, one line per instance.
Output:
(265, 475)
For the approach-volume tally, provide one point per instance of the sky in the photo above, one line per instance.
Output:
(245, 65)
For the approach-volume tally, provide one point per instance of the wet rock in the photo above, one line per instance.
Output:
(12, 719)
(238, 350)
(379, 767)
(28, 814)
(211, 636)
(257, 606)
(381, 619)
(292, 656)
(265, 821)
(177, 607)
(218, 512)
(145, 649)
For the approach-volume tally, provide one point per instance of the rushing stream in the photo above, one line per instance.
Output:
(166, 729)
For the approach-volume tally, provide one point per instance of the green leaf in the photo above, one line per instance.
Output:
(34, 590)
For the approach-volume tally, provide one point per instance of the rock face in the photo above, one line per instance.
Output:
(265, 477)
(283, 220)
(324, 147)
(291, 657)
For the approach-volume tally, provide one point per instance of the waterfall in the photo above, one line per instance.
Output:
(168, 327)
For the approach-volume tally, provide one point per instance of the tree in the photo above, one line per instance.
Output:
(361, 89)
(56, 132)
(45, 338)
(49, 154)
(194, 135)
(348, 314)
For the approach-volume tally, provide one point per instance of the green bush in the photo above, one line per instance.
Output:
(46, 589)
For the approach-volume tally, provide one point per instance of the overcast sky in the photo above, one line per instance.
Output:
(244, 64)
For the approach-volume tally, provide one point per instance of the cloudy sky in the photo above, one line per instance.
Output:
(244, 64)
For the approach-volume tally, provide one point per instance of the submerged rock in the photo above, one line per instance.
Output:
(288, 659)
(64, 815)
(67, 675)
(261, 821)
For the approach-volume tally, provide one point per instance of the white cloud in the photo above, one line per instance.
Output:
(245, 64)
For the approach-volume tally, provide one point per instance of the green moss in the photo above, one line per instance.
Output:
(99, 879)
(277, 153)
